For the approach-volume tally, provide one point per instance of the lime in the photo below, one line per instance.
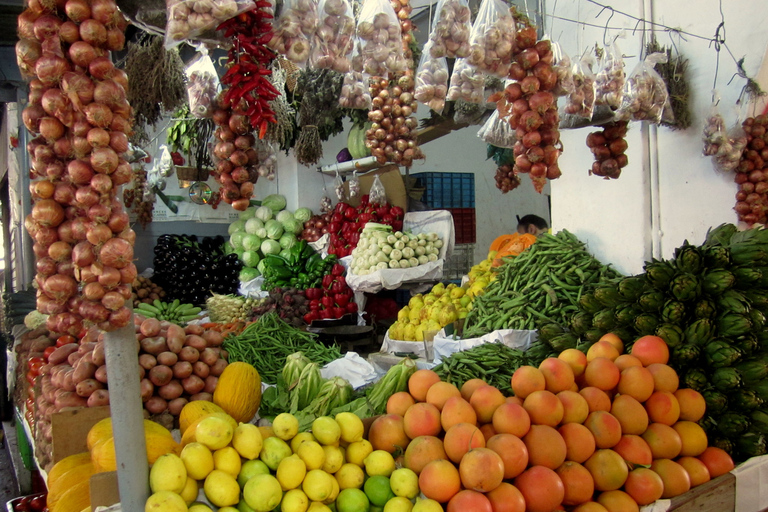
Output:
(352, 500)
(378, 490)
(273, 450)
(251, 468)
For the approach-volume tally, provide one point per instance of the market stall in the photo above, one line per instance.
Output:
(274, 265)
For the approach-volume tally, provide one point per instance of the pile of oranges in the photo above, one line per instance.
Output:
(595, 432)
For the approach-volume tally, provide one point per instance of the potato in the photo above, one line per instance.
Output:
(218, 367)
(84, 370)
(61, 354)
(201, 369)
(208, 397)
(209, 356)
(156, 405)
(87, 387)
(154, 345)
(101, 374)
(147, 389)
(210, 384)
(175, 338)
(73, 358)
(147, 361)
(193, 329)
(213, 338)
(69, 399)
(189, 354)
(171, 390)
(182, 369)
(195, 341)
(150, 327)
(160, 375)
(98, 398)
(176, 405)
(167, 358)
(193, 384)
(97, 355)
(68, 381)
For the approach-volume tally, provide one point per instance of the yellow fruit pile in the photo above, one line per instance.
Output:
(247, 468)
(481, 275)
(443, 305)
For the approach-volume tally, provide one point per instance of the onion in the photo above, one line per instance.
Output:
(54, 101)
(93, 32)
(48, 213)
(115, 39)
(121, 124)
(128, 234)
(93, 311)
(77, 10)
(98, 234)
(63, 193)
(238, 123)
(101, 183)
(59, 287)
(49, 68)
(69, 32)
(80, 227)
(120, 318)
(46, 26)
(83, 254)
(99, 213)
(78, 88)
(118, 141)
(118, 221)
(98, 138)
(98, 115)
(40, 250)
(122, 175)
(109, 92)
(108, 277)
(104, 11)
(45, 266)
(27, 53)
(113, 301)
(60, 251)
(63, 149)
(80, 172)
(82, 54)
(26, 24)
(104, 160)
(31, 117)
(101, 68)
(93, 291)
(65, 268)
(80, 147)
(65, 232)
(129, 272)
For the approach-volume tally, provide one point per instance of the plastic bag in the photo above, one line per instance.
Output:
(377, 194)
(267, 166)
(381, 39)
(581, 102)
(326, 205)
(338, 187)
(610, 77)
(492, 41)
(467, 83)
(354, 185)
(563, 69)
(645, 92)
(450, 33)
(431, 81)
(355, 92)
(198, 19)
(731, 149)
(294, 30)
(714, 134)
(334, 37)
(202, 86)
(498, 132)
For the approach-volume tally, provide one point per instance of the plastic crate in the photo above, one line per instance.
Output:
(464, 224)
(447, 189)
(459, 263)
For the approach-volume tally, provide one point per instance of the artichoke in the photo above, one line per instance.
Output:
(732, 324)
(761, 388)
(645, 323)
(625, 315)
(722, 443)
(549, 330)
(716, 281)
(604, 320)
(720, 353)
(705, 309)
(746, 277)
(745, 400)
(685, 287)
(759, 421)
(673, 312)
(686, 355)
(726, 379)
(630, 288)
(593, 335)
(758, 298)
(716, 401)
(659, 274)
(580, 322)
(689, 258)
(751, 444)
(721, 235)
(733, 301)
(699, 332)
(754, 370)
(758, 319)
(696, 380)
(670, 333)
(748, 254)
(717, 257)
(607, 295)
(747, 344)
(589, 303)
(563, 341)
(732, 424)
(626, 335)
(651, 301)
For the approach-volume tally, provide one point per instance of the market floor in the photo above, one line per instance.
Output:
(7, 478)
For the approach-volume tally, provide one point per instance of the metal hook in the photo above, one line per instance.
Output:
(636, 25)
(605, 31)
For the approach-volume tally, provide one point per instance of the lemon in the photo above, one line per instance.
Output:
(221, 488)
(317, 485)
(358, 451)
(427, 505)
(199, 507)
(168, 473)
(263, 493)
(378, 490)
(405, 483)
(334, 492)
(317, 506)
(266, 431)
(227, 460)
(379, 462)
(350, 476)
(334, 458)
(352, 500)
(247, 441)
(189, 493)
(300, 438)
(312, 454)
(249, 469)
(228, 509)
(291, 472)
(326, 430)
(294, 501)
(242, 506)
(398, 504)
(198, 460)
(285, 426)
(351, 427)
(273, 450)
(214, 432)
(165, 501)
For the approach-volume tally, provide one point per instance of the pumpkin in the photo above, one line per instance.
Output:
(194, 410)
(513, 247)
(75, 499)
(66, 464)
(238, 391)
(497, 244)
(189, 433)
(59, 487)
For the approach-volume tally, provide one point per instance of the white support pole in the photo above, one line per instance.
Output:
(127, 417)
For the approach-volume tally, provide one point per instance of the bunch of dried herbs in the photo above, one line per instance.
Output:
(156, 82)
(674, 74)
(320, 116)
(282, 132)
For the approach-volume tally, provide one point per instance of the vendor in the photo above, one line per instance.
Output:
(532, 225)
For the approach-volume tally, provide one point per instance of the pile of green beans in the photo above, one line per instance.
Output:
(493, 362)
(542, 284)
(266, 343)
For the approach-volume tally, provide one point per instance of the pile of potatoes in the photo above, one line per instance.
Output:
(144, 290)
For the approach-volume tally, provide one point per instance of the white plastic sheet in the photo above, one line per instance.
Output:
(423, 349)
(356, 370)
(752, 484)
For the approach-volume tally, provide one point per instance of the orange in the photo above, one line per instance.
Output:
(440, 481)
(470, 386)
(546, 446)
(608, 469)
(481, 470)
(650, 349)
(602, 373)
(675, 477)
(542, 489)
(579, 442)
(577, 482)
(420, 382)
(663, 408)
(717, 460)
(526, 380)
(664, 377)
(440, 392)
(693, 437)
(696, 470)
(576, 359)
(457, 410)
(664, 441)
(575, 407)
(510, 418)
(605, 427)
(421, 451)
(558, 375)
(636, 382)
(512, 451)
(692, 404)
(631, 414)
(644, 485)
(602, 349)
(506, 498)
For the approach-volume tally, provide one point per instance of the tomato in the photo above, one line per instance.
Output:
(65, 339)
(48, 351)
(37, 504)
(35, 363)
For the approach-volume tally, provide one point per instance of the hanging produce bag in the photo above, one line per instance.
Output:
(730, 151)
(294, 31)
(492, 40)
(497, 132)
(431, 80)
(354, 185)
(334, 37)
(714, 134)
(267, 166)
(645, 92)
(580, 103)
(202, 86)
(197, 19)
(467, 83)
(450, 33)
(381, 39)
(609, 81)
(377, 194)
(563, 68)
(355, 92)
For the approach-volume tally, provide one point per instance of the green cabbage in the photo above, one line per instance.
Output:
(238, 225)
(285, 253)
(270, 247)
(287, 241)
(247, 214)
(275, 202)
(251, 243)
(237, 239)
(261, 233)
(293, 226)
(263, 213)
(283, 216)
(251, 258)
(274, 229)
(303, 215)
(253, 225)
(260, 266)
(248, 274)
(228, 248)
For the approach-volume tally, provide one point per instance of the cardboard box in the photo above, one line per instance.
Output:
(393, 183)
(70, 428)
(104, 490)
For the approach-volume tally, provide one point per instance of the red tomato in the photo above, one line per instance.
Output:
(35, 363)
(47, 353)
(65, 339)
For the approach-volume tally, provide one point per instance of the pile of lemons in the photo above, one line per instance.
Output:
(443, 305)
(481, 275)
(244, 468)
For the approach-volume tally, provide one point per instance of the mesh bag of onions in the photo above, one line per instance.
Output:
(294, 30)
(202, 85)
(492, 41)
(431, 81)
(197, 19)
(335, 35)
(450, 33)
(379, 32)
